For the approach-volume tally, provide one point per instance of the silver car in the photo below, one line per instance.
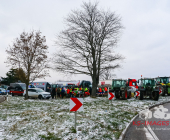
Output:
(37, 93)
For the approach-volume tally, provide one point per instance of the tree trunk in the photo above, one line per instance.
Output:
(26, 97)
(94, 86)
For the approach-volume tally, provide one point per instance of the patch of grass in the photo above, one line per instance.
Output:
(117, 134)
(13, 128)
(115, 125)
(101, 125)
(107, 136)
(50, 136)
(73, 130)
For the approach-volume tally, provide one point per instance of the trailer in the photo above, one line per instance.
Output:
(46, 86)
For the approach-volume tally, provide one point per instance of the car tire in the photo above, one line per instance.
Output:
(40, 97)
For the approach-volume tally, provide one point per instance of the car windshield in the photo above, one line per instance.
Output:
(148, 82)
(165, 80)
(54, 86)
(2, 89)
(23, 86)
(118, 83)
(40, 90)
(31, 86)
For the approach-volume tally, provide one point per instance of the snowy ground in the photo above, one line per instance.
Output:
(51, 119)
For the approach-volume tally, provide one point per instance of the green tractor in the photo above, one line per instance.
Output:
(147, 87)
(164, 85)
(120, 89)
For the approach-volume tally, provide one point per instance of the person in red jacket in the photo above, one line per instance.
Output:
(105, 89)
(68, 90)
(100, 90)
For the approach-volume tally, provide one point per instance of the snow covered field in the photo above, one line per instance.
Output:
(51, 119)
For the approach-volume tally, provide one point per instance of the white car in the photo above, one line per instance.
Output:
(37, 93)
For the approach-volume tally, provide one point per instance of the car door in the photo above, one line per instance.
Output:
(35, 94)
(30, 94)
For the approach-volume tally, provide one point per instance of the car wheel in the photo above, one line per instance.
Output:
(40, 97)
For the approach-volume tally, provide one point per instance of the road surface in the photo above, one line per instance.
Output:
(159, 124)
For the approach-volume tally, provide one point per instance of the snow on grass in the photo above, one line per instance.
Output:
(51, 119)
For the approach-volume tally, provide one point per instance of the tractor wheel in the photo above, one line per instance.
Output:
(124, 95)
(117, 95)
(155, 95)
(129, 94)
(141, 95)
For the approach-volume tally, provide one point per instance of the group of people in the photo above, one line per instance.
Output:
(71, 92)
(103, 90)
(57, 92)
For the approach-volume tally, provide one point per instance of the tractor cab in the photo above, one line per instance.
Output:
(164, 84)
(132, 83)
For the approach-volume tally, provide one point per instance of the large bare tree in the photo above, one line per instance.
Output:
(29, 53)
(87, 44)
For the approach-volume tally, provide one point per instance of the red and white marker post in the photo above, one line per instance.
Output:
(111, 95)
(137, 93)
(76, 104)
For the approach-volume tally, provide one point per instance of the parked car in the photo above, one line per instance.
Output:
(37, 93)
(3, 91)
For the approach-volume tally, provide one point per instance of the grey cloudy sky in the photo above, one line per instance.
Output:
(145, 40)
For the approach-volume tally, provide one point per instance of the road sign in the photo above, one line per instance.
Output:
(137, 93)
(102, 83)
(76, 104)
(160, 91)
(111, 95)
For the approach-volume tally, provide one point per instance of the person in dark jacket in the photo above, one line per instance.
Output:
(62, 92)
(58, 92)
(53, 93)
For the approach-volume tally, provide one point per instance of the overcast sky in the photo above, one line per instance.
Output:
(145, 41)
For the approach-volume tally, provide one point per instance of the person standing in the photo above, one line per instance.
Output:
(71, 92)
(58, 92)
(62, 92)
(105, 89)
(68, 91)
(52, 93)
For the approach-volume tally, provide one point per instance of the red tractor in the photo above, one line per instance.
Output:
(124, 88)
(132, 86)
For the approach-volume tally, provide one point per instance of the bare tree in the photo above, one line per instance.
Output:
(88, 42)
(107, 74)
(29, 52)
